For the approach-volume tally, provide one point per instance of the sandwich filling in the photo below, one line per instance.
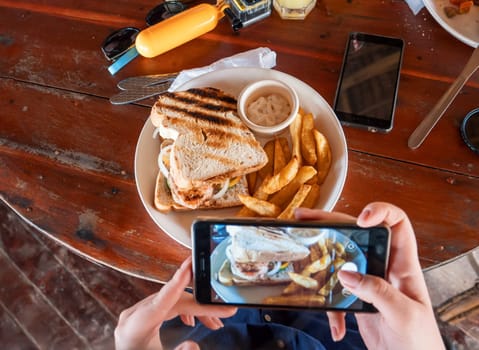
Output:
(198, 195)
(259, 256)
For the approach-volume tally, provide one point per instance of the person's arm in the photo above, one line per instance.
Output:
(138, 326)
(405, 319)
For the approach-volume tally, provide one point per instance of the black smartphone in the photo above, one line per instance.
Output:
(268, 263)
(368, 84)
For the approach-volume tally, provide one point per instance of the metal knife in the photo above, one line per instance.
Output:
(428, 123)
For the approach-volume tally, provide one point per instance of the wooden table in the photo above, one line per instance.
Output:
(67, 153)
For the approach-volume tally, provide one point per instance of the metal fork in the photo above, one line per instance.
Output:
(142, 87)
(145, 80)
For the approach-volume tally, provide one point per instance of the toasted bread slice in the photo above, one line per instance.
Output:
(259, 245)
(210, 139)
(164, 201)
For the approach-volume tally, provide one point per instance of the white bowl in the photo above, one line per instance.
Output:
(307, 236)
(268, 89)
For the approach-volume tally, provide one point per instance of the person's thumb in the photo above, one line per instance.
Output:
(389, 301)
(188, 345)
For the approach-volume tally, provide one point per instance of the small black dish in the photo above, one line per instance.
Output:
(470, 130)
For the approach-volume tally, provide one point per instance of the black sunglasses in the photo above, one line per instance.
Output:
(118, 42)
(470, 130)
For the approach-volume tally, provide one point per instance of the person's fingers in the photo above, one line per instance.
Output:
(188, 306)
(154, 309)
(140, 323)
(337, 325)
(188, 345)
(405, 271)
(125, 314)
(389, 301)
(211, 322)
(378, 213)
(316, 214)
(188, 320)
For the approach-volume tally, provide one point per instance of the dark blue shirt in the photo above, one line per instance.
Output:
(265, 329)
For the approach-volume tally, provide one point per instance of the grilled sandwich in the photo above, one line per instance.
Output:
(207, 150)
(257, 256)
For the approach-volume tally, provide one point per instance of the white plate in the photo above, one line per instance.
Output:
(256, 294)
(463, 27)
(177, 224)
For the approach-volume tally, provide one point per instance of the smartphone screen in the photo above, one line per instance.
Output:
(283, 264)
(368, 84)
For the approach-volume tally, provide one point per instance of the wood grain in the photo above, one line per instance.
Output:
(53, 299)
(67, 154)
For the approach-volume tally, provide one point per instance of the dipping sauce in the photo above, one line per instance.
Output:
(305, 232)
(307, 236)
(268, 110)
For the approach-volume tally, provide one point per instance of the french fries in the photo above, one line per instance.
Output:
(284, 195)
(279, 157)
(333, 280)
(315, 277)
(295, 130)
(308, 144)
(323, 152)
(329, 286)
(292, 178)
(251, 178)
(340, 250)
(296, 202)
(317, 265)
(314, 254)
(284, 182)
(259, 206)
(304, 281)
(284, 177)
(313, 197)
(286, 150)
(258, 194)
(267, 170)
(296, 300)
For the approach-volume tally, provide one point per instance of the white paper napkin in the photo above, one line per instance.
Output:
(415, 5)
(261, 57)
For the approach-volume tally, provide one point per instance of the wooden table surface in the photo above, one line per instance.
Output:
(67, 153)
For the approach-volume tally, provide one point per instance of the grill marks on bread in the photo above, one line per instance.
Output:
(211, 142)
(209, 98)
(203, 108)
(210, 114)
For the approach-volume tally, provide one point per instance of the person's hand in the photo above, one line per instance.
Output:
(405, 319)
(138, 326)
